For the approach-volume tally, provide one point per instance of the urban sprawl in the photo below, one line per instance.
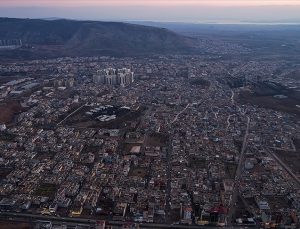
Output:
(166, 140)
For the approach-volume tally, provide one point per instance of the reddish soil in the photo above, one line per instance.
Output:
(8, 110)
(11, 225)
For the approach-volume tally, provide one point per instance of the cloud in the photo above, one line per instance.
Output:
(156, 10)
(81, 3)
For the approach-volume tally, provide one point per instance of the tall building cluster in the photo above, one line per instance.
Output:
(111, 76)
(68, 83)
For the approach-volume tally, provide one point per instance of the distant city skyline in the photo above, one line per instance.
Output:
(157, 10)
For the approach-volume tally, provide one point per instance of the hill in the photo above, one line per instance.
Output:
(52, 38)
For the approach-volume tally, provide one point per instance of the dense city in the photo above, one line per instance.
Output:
(186, 141)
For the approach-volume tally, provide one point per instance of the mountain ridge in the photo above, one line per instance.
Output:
(65, 37)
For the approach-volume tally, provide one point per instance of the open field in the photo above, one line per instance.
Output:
(242, 211)
(200, 82)
(278, 202)
(5, 79)
(138, 172)
(14, 225)
(81, 120)
(8, 111)
(231, 170)
(197, 163)
(156, 139)
(297, 144)
(295, 75)
(287, 105)
(7, 136)
(291, 158)
(4, 172)
(128, 146)
(47, 190)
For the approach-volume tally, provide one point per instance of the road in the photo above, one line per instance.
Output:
(238, 175)
(168, 188)
(66, 220)
(158, 129)
(176, 117)
(232, 97)
(216, 112)
(228, 121)
(169, 170)
(78, 109)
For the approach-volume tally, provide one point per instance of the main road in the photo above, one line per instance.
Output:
(176, 117)
(238, 175)
(169, 168)
(78, 109)
(10, 216)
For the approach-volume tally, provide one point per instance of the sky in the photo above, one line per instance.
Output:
(157, 10)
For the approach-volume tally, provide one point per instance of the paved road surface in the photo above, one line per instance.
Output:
(79, 108)
(176, 117)
(71, 221)
(238, 176)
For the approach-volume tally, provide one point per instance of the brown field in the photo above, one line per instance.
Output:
(8, 111)
(278, 202)
(200, 82)
(297, 144)
(292, 159)
(197, 163)
(4, 172)
(287, 105)
(5, 79)
(80, 120)
(294, 75)
(241, 209)
(126, 148)
(47, 190)
(138, 171)
(156, 139)
(14, 225)
(231, 170)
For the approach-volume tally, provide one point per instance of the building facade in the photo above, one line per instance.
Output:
(111, 76)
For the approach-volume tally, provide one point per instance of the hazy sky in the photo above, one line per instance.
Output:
(156, 10)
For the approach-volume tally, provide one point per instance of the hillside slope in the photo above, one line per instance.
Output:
(87, 38)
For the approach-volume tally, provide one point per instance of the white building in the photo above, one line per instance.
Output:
(111, 76)
(2, 127)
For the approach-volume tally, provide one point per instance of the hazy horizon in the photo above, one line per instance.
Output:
(189, 11)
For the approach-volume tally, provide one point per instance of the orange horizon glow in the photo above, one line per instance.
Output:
(213, 3)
